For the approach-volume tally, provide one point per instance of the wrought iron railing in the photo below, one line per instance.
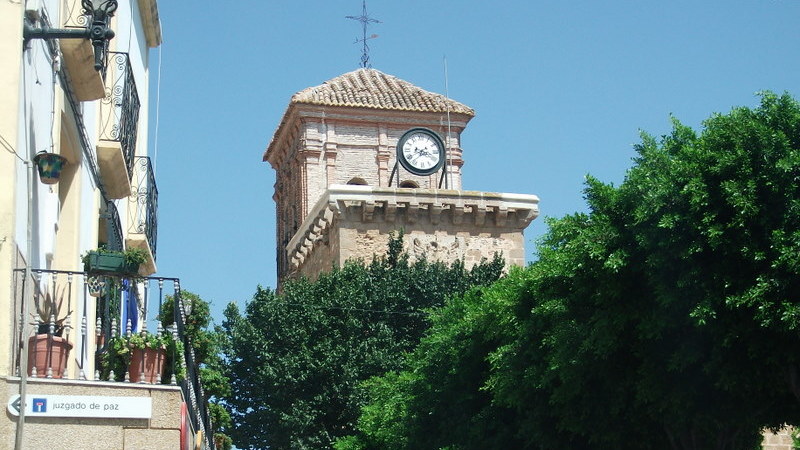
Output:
(73, 15)
(119, 110)
(90, 315)
(114, 227)
(143, 207)
(193, 389)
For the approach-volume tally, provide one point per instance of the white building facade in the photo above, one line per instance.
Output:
(85, 104)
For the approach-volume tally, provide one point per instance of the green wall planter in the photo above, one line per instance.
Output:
(109, 264)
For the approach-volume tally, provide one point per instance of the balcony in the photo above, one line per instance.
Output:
(143, 211)
(75, 357)
(110, 228)
(87, 83)
(119, 122)
(72, 12)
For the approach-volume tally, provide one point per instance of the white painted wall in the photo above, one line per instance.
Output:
(36, 134)
(38, 93)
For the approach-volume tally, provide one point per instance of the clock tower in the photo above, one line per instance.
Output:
(365, 154)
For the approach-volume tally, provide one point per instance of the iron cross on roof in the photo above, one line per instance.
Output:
(365, 20)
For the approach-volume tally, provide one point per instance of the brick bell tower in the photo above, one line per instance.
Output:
(340, 189)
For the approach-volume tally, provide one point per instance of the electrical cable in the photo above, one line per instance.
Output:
(158, 111)
(10, 148)
(55, 65)
(130, 27)
(448, 174)
(407, 313)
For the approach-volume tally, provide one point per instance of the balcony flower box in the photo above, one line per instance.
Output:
(123, 264)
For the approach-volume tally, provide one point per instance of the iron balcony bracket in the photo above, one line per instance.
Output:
(99, 33)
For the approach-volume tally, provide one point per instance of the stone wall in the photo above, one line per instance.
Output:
(445, 244)
(782, 440)
(323, 259)
(161, 431)
(354, 222)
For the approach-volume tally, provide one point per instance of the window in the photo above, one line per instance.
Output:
(357, 181)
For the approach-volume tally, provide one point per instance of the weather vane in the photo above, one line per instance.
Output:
(365, 20)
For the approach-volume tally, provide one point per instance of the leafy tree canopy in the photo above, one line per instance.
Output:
(665, 317)
(208, 345)
(297, 358)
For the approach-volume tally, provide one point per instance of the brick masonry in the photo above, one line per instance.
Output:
(344, 132)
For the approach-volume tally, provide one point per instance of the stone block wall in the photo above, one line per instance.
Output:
(161, 431)
(355, 222)
(324, 258)
(445, 244)
(782, 440)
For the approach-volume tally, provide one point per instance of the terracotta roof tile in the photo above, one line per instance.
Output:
(370, 88)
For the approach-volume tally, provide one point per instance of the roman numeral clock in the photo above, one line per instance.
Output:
(421, 151)
(363, 155)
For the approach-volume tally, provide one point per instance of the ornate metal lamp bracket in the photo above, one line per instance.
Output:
(99, 32)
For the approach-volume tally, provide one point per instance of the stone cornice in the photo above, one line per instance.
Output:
(475, 209)
(402, 119)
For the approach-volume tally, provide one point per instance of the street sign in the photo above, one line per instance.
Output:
(14, 404)
(83, 406)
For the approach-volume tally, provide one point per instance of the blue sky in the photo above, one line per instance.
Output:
(561, 89)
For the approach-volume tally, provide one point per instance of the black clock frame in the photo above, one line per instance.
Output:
(407, 165)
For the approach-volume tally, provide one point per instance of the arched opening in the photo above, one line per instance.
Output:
(357, 181)
(409, 184)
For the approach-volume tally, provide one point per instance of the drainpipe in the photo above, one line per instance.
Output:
(27, 281)
(23, 359)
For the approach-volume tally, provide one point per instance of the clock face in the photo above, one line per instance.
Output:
(420, 151)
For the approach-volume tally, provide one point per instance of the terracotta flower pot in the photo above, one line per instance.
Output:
(148, 360)
(48, 351)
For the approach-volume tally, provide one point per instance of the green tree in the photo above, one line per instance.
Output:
(297, 358)
(663, 318)
(438, 400)
(208, 345)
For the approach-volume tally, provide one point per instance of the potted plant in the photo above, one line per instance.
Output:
(106, 262)
(139, 357)
(49, 166)
(48, 349)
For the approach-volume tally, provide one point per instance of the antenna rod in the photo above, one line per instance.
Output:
(448, 174)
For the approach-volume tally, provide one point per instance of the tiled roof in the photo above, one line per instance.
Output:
(370, 88)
